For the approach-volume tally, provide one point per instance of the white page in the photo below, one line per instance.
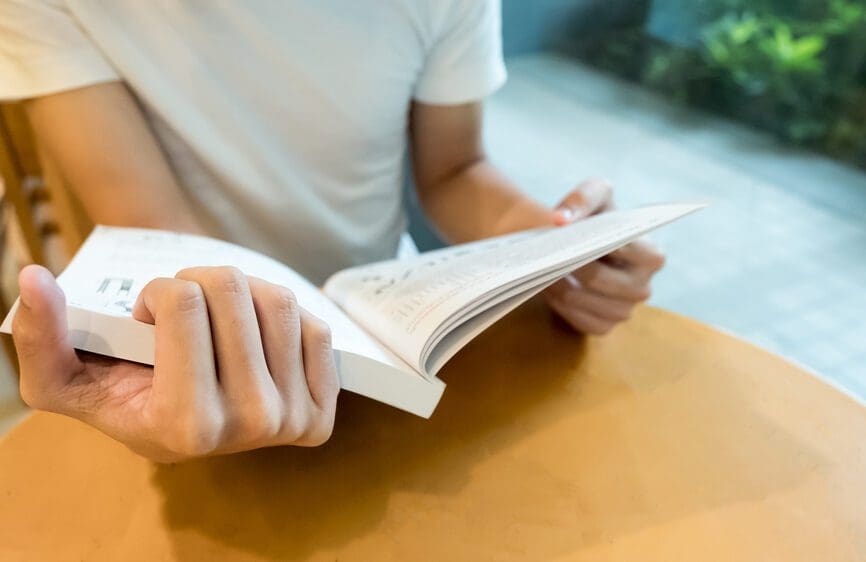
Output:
(444, 346)
(408, 301)
(115, 264)
(105, 277)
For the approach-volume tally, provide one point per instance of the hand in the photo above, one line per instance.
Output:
(597, 297)
(239, 365)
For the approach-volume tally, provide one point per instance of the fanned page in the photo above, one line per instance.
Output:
(103, 281)
(448, 296)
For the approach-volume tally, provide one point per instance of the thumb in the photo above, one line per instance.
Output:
(47, 360)
(589, 198)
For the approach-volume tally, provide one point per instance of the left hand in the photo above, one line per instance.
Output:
(597, 297)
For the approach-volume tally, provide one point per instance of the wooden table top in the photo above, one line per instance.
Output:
(665, 441)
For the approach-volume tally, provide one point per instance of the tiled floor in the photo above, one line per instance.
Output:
(780, 256)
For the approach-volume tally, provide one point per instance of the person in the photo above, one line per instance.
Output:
(285, 127)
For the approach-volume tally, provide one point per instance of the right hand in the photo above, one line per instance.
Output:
(239, 365)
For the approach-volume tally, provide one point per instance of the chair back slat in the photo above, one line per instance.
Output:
(50, 218)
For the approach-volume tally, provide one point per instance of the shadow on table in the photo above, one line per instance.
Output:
(291, 502)
(318, 498)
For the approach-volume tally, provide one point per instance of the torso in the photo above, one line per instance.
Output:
(285, 121)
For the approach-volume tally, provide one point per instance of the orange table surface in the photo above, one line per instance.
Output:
(665, 441)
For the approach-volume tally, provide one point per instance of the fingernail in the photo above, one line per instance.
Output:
(29, 279)
(571, 214)
(566, 214)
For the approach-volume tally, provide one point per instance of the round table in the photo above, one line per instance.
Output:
(665, 441)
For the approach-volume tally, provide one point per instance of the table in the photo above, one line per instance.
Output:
(665, 441)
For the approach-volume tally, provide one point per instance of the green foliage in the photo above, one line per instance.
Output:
(795, 67)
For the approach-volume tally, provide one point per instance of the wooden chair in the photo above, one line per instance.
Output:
(41, 221)
(49, 219)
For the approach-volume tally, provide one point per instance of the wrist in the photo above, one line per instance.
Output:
(523, 214)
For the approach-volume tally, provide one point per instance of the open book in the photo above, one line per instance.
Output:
(394, 323)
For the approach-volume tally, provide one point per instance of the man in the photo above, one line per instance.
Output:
(283, 126)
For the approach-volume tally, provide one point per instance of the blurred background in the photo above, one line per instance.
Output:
(756, 106)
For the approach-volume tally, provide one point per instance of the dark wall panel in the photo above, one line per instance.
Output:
(533, 25)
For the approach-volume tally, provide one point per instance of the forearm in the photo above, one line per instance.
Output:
(479, 201)
(142, 206)
(107, 156)
(137, 206)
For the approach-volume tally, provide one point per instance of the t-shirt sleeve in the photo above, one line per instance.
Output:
(465, 61)
(43, 50)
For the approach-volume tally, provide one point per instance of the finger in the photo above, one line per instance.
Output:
(184, 369)
(601, 306)
(562, 287)
(589, 198)
(279, 319)
(321, 378)
(319, 362)
(582, 321)
(640, 255)
(237, 342)
(611, 282)
(46, 357)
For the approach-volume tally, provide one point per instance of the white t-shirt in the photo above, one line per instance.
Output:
(285, 121)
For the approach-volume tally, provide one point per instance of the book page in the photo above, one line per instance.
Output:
(413, 303)
(114, 264)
